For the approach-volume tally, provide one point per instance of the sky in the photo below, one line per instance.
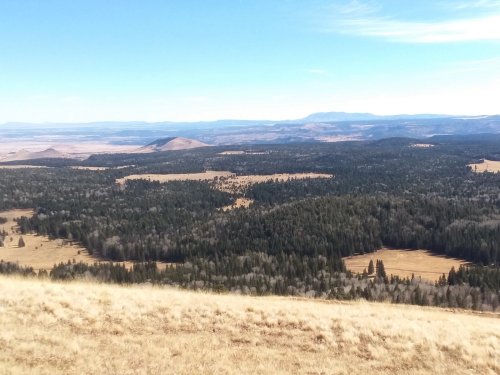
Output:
(199, 60)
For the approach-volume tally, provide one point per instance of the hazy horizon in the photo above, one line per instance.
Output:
(256, 120)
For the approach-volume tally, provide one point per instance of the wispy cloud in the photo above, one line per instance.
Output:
(490, 65)
(473, 4)
(363, 19)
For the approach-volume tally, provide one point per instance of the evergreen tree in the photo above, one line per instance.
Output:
(21, 242)
(381, 269)
(370, 267)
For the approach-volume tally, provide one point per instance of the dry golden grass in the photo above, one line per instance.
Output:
(486, 166)
(338, 138)
(404, 263)
(85, 168)
(244, 153)
(90, 168)
(40, 252)
(79, 328)
(205, 176)
(21, 166)
(239, 184)
(232, 153)
(226, 181)
(239, 203)
(422, 145)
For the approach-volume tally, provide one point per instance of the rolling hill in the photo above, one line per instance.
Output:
(24, 154)
(171, 144)
(81, 327)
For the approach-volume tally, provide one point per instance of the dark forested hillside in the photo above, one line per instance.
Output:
(384, 193)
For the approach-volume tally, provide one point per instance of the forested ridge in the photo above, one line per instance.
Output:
(383, 193)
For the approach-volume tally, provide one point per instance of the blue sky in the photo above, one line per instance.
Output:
(156, 60)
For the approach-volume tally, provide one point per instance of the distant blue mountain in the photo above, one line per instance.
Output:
(345, 116)
(320, 127)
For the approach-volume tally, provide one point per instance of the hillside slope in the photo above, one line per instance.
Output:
(171, 144)
(23, 154)
(90, 328)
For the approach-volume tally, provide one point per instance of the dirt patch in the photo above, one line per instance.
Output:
(404, 263)
(486, 166)
(40, 252)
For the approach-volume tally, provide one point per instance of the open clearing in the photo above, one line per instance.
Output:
(486, 166)
(226, 181)
(404, 263)
(83, 328)
(238, 203)
(205, 176)
(21, 166)
(90, 168)
(244, 153)
(237, 184)
(85, 168)
(232, 153)
(338, 138)
(422, 145)
(40, 252)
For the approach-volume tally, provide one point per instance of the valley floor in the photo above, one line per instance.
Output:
(75, 328)
(407, 263)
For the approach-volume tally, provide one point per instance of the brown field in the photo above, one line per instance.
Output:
(21, 166)
(404, 263)
(227, 181)
(338, 138)
(205, 176)
(85, 168)
(239, 203)
(41, 252)
(422, 145)
(83, 328)
(90, 168)
(232, 153)
(486, 166)
(243, 153)
(237, 184)
(80, 149)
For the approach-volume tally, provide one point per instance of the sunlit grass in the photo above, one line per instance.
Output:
(75, 328)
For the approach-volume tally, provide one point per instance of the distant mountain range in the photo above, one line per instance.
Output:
(346, 116)
(315, 117)
(164, 136)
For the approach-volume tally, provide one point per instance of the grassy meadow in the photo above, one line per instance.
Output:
(77, 327)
